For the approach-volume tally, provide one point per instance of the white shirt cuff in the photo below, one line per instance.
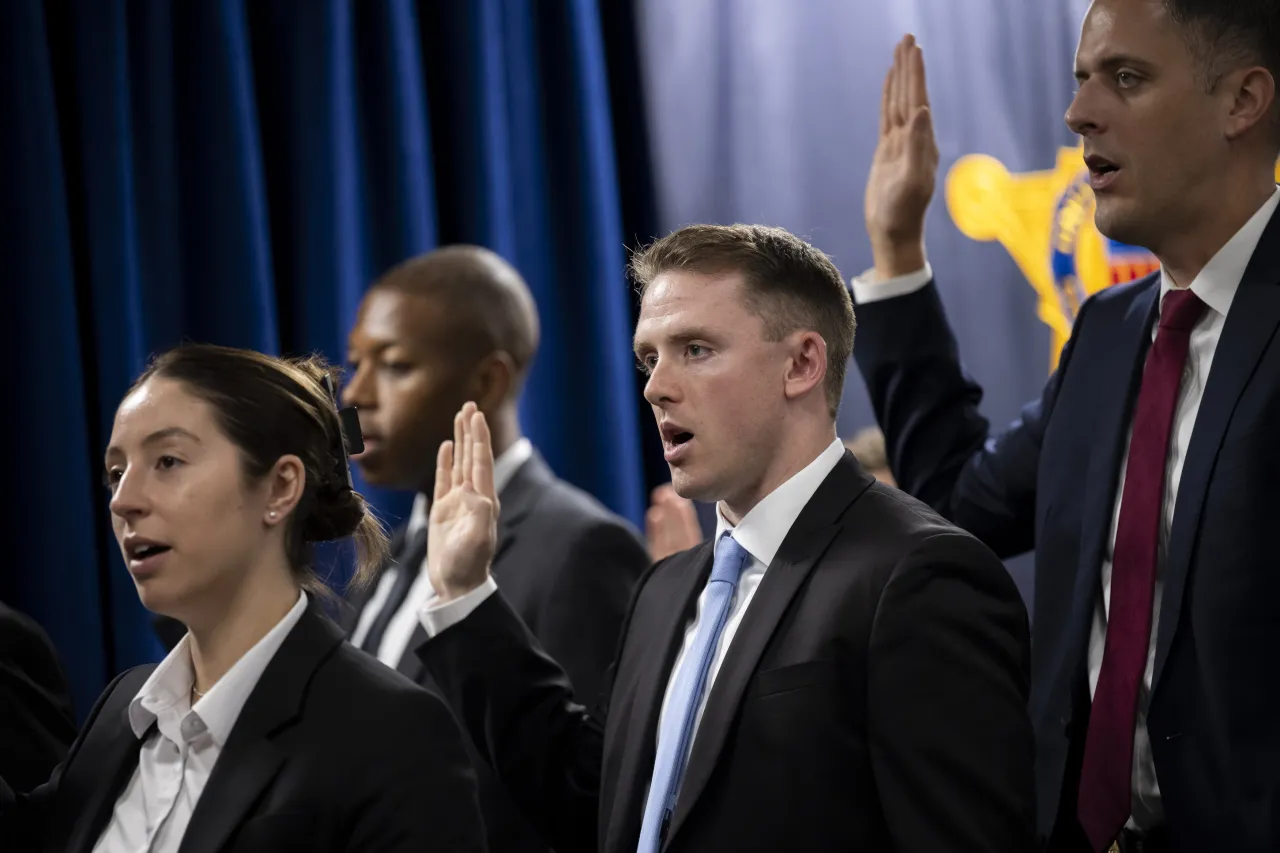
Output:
(866, 288)
(436, 615)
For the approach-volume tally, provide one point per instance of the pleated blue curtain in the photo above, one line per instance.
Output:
(531, 172)
(238, 172)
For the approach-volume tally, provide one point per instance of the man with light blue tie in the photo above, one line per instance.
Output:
(837, 669)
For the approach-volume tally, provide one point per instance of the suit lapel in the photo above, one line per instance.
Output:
(411, 665)
(675, 586)
(358, 599)
(253, 753)
(506, 538)
(1249, 328)
(803, 547)
(115, 755)
(1117, 383)
(518, 499)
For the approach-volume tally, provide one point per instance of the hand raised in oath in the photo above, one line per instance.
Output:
(904, 169)
(463, 530)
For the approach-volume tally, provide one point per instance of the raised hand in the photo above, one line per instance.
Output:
(463, 530)
(671, 524)
(904, 169)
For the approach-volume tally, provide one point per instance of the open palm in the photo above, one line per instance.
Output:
(463, 529)
(671, 524)
(904, 168)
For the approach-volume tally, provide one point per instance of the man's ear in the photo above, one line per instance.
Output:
(493, 381)
(1253, 93)
(806, 364)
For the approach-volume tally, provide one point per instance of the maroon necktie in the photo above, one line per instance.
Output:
(1105, 799)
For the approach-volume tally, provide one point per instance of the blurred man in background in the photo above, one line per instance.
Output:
(453, 325)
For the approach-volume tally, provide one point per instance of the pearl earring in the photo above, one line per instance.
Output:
(272, 515)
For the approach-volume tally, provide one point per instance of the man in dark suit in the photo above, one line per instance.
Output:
(456, 324)
(37, 725)
(839, 669)
(1144, 481)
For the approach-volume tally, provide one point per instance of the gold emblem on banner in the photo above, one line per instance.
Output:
(1044, 220)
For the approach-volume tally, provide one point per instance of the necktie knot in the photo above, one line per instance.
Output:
(1181, 309)
(730, 560)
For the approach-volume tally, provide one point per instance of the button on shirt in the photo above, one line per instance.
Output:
(181, 743)
(395, 642)
(760, 533)
(1216, 285)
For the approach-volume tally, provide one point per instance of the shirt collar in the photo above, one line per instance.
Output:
(1217, 283)
(504, 468)
(506, 465)
(763, 529)
(169, 687)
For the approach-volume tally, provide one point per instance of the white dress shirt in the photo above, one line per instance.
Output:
(180, 750)
(760, 533)
(395, 641)
(1216, 285)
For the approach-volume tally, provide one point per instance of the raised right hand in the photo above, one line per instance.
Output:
(904, 169)
(671, 524)
(463, 530)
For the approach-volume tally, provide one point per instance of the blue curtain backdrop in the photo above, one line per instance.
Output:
(238, 172)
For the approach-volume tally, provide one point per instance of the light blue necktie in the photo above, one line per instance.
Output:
(676, 733)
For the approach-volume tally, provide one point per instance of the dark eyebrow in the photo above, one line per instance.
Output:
(684, 336)
(376, 348)
(1115, 61)
(163, 435)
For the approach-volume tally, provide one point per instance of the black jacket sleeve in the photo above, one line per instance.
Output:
(37, 725)
(948, 682)
(519, 709)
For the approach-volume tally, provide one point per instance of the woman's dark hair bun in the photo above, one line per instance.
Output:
(336, 514)
(269, 407)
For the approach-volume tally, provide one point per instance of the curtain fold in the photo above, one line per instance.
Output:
(239, 172)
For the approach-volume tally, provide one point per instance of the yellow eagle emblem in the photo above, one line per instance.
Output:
(1044, 220)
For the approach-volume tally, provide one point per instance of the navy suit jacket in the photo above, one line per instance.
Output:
(1049, 483)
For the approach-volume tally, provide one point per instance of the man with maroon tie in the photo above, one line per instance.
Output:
(1146, 475)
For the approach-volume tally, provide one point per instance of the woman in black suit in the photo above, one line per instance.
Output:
(262, 729)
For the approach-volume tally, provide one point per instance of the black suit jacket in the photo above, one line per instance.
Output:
(37, 724)
(1049, 482)
(872, 699)
(567, 566)
(331, 752)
